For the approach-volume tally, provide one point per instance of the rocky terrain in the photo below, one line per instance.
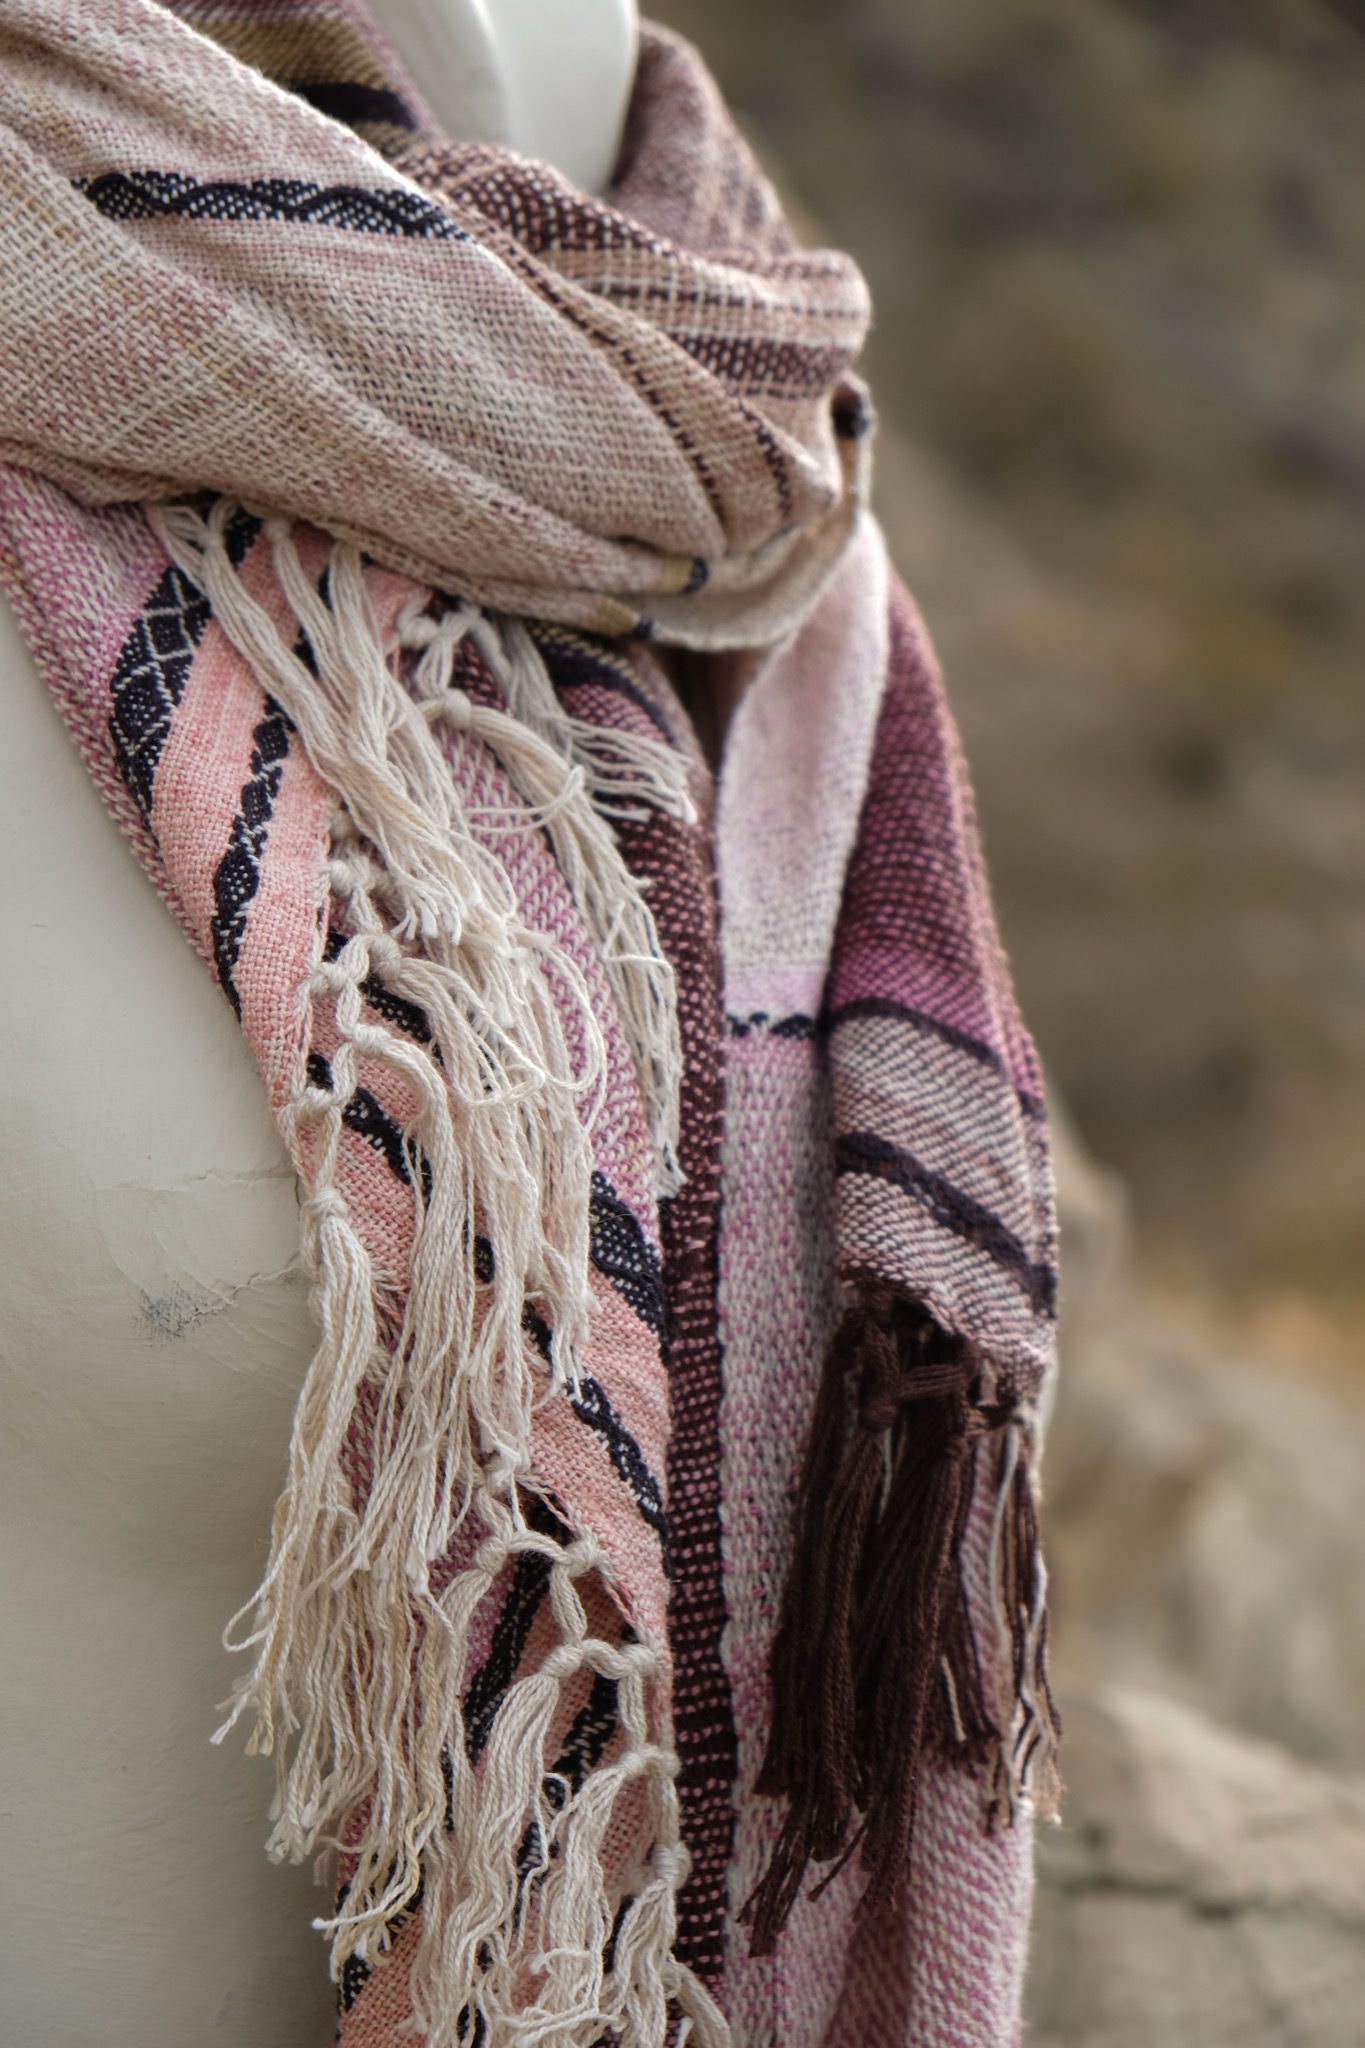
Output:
(1211, 1896)
(1118, 253)
(1207, 1883)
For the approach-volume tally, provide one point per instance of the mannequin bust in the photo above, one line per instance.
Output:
(155, 1312)
(546, 80)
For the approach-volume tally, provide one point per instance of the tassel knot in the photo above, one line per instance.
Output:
(875, 1665)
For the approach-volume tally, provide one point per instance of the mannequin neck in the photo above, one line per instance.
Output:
(548, 80)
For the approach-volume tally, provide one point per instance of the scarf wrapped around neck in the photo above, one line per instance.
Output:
(653, 1639)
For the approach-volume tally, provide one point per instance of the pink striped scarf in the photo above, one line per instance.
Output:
(673, 1165)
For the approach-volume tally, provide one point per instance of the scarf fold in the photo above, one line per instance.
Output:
(424, 437)
(346, 476)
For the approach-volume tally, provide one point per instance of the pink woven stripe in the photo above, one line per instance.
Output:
(917, 924)
(779, 1303)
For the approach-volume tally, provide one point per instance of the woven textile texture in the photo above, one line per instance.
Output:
(653, 1640)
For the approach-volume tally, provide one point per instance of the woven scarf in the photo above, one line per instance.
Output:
(652, 1643)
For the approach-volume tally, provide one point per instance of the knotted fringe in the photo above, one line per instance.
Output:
(875, 1665)
(360, 1649)
(573, 779)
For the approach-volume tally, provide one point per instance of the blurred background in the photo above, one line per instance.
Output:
(1117, 249)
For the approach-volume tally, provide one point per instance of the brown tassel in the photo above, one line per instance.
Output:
(874, 1663)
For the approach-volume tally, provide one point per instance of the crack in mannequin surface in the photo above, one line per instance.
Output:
(156, 1313)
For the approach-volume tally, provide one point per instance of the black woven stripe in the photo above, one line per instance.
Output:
(760, 1022)
(354, 104)
(584, 1746)
(961, 1041)
(590, 1732)
(153, 666)
(163, 195)
(369, 1120)
(488, 1687)
(590, 1403)
(801, 1026)
(864, 1152)
(618, 1246)
(621, 1253)
(237, 876)
(624, 1256)
(410, 1018)
(365, 1116)
(485, 1693)
(538, 1330)
(355, 1973)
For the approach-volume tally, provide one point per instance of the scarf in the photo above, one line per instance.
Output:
(652, 1644)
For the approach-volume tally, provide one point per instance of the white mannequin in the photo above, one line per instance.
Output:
(154, 1326)
(537, 76)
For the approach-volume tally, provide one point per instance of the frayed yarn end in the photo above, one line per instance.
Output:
(875, 1665)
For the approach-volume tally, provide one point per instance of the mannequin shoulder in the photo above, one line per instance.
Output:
(147, 1194)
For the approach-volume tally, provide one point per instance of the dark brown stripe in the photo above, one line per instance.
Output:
(677, 862)
(354, 104)
(863, 1152)
(948, 1034)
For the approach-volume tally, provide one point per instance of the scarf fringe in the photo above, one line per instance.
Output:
(360, 1648)
(516, 1937)
(573, 779)
(875, 1665)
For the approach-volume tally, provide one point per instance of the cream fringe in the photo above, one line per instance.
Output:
(360, 1668)
(1028, 1780)
(569, 773)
